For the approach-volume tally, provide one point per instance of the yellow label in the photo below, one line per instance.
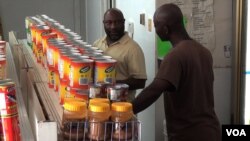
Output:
(105, 73)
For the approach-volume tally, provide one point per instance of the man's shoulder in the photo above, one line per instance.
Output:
(99, 41)
(131, 42)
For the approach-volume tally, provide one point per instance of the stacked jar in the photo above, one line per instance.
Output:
(99, 100)
(74, 116)
(98, 115)
(122, 116)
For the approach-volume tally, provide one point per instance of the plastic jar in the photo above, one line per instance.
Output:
(121, 114)
(95, 91)
(118, 92)
(74, 117)
(98, 115)
(99, 100)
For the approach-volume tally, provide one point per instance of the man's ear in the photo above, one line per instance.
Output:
(166, 30)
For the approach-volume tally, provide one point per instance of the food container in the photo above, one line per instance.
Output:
(99, 100)
(98, 115)
(118, 92)
(105, 71)
(63, 90)
(81, 73)
(8, 112)
(79, 93)
(121, 115)
(3, 68)
(95, 91)
(74, 117)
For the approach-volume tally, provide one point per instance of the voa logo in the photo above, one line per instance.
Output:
(236, 132)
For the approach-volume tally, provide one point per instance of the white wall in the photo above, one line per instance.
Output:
(132, 10)
(222, 65)
(222, 94)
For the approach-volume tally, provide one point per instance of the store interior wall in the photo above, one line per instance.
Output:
(91, 19)
(1, 27)
(13, 13)
(222, 63)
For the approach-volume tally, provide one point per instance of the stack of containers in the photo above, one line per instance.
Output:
(29, 22)
(98, 116)
(45, 37)
(105, 121)
(9, 123)
(74, 117)
(3, 63)
(121, 115)
(80, 72)
(74, 66)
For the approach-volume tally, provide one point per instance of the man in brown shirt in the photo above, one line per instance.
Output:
(185, 77)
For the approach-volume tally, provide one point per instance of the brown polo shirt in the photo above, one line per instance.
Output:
(129, 56)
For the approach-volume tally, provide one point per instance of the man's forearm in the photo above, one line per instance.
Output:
(133, 83)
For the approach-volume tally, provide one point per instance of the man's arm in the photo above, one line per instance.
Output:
(133, 83)
(150, 94)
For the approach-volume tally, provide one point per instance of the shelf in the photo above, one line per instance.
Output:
(41, 126)
(25, 127)
(49, 97)
(42, 104)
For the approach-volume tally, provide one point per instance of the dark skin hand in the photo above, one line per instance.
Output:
(150, 94)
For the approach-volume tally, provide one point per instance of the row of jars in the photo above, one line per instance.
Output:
(67, 58)
(51, 49)
(81, 122)
(80, 73)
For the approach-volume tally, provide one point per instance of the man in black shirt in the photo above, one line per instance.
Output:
(185, 77)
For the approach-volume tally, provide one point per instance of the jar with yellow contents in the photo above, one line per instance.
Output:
(98, 116)
(99, 100)
(121, 115)
(74, 119)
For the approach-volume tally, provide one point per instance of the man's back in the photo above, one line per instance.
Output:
(189, 109)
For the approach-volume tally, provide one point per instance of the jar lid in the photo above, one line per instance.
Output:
(74, 105)
(99, 100)
(121, 106)
(99, 107)
(74, 99)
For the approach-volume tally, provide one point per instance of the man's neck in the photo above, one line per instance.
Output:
(110, 42)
